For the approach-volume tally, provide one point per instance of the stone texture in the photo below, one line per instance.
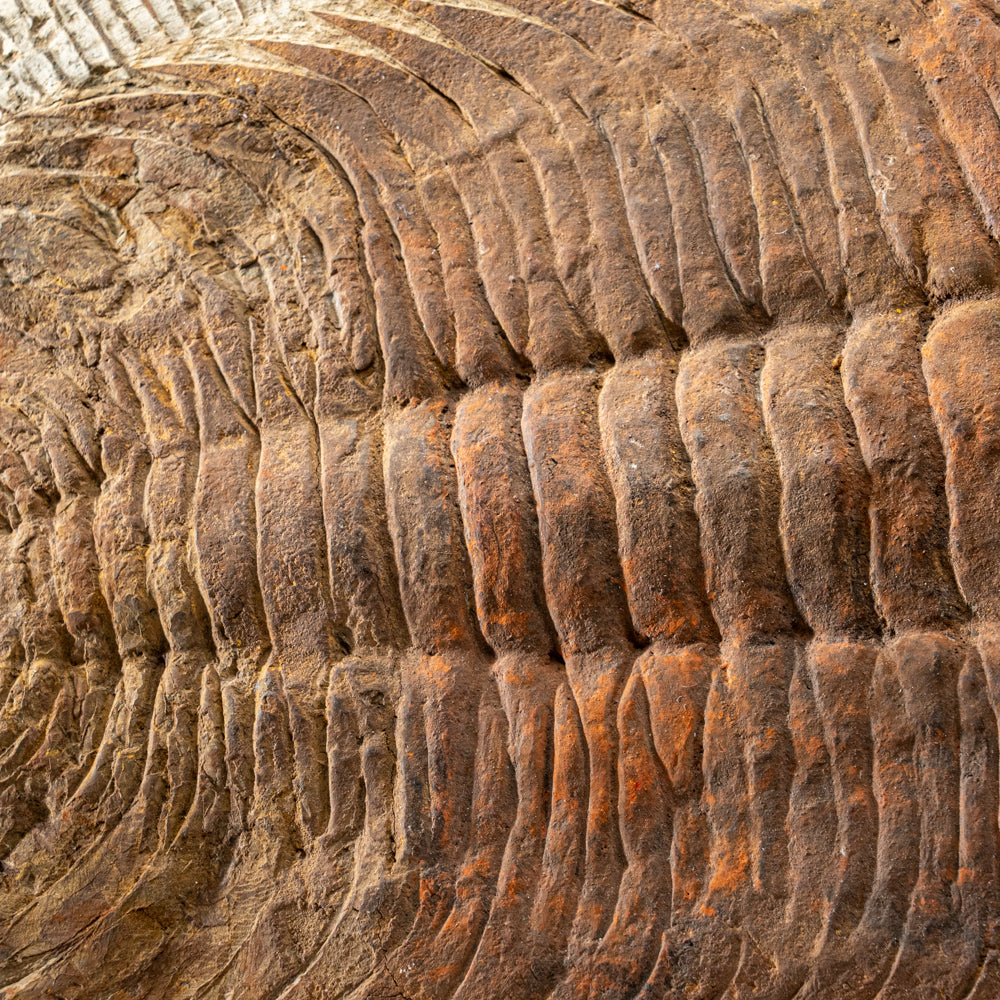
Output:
(500, 500)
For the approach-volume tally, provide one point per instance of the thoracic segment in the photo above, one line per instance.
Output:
(493, 504)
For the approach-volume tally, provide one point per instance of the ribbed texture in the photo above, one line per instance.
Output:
(527, 469)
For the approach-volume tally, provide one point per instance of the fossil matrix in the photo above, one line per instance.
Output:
(499, 500)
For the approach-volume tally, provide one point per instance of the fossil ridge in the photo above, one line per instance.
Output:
(499, 499)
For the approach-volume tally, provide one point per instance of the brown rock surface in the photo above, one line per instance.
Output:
(500, 499)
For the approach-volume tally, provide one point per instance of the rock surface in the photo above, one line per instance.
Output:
(500, 499)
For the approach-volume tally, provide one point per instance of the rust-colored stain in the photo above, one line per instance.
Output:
(500, 501)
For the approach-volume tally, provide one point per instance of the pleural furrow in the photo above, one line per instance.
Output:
(502, 499)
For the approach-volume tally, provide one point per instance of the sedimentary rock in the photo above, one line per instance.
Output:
(500, 500)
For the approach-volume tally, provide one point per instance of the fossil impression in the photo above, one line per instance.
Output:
(499, 499)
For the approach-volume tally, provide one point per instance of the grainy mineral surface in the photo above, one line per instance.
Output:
(499, 500)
